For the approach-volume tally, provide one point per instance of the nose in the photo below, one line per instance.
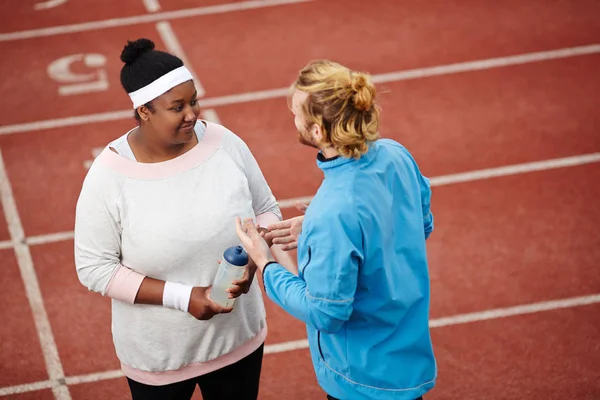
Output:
(191, 114)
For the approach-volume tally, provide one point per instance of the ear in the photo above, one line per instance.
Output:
(144, 113)
(316, 131)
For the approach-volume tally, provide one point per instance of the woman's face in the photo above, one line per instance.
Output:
(175, 114)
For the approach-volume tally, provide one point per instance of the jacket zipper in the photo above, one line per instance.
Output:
(308, 262)
(319, 344)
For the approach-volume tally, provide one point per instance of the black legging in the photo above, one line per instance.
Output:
(238, 381)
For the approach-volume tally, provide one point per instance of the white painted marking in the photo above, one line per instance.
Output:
(435, 181)
(488, 173)
(28, 387)
(99, 376)
(146, 18)
(515, 169)
(289, 203)
(151, 5)
(69, 121)
(79, 83)
(51, 238)
(40, 239)
(95, 153)
(472, 317)
(211, 115)
(61, 392)
(282, 92)
(301, 344)
(286, 346)
(174, 47)
(488, 63)
(48, 4)
(245, 97)
(516, 310)
(32, 287)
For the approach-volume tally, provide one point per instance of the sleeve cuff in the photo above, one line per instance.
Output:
(124, 284)
(263, 273)
(267, 218)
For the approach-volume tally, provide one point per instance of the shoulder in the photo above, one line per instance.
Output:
(102, 180)
(229, 139)
(330, 210)
(231, 143)
(393, 150)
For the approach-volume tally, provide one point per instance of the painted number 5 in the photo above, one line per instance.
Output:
(78, 83)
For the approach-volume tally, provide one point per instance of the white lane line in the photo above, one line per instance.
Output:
(474, 317)
(146, 18)
(40, 239)
(435, 181)
(459, 319)
(282, 92)
(173, 46)
(48, 4)
(68, 121)
(515, 310)
(515, 169)
(488, 173)
(286, 346)
(488, 63)
(151, 5)
(289, 203)
(27, 387)
(243, 98)
(53, 237)
(98, 376)
(32, 287)
(211, 115)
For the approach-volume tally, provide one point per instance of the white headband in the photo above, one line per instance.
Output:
(160, 86)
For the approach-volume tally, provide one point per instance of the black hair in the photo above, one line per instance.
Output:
(143, 65)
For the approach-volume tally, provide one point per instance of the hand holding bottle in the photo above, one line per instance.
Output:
(202, 307)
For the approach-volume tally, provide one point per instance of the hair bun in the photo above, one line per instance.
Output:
(133, 50)
(364, 91)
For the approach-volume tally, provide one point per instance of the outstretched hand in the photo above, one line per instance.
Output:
(254, 244)
(286, 232)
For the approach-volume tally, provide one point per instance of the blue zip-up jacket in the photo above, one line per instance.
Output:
(363, 284)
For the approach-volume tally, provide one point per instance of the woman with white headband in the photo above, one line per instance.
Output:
(152, 221)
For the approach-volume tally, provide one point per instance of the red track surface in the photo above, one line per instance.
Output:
(499, 242)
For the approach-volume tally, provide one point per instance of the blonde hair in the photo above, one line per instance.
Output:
(342, 103)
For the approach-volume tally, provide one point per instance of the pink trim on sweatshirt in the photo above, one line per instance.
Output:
(124, 284)
(193, 370)
(266, 219)
(206, 147)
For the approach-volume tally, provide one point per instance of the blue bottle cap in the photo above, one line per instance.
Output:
(236, 255)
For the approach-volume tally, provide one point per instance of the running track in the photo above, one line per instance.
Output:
(498, 101)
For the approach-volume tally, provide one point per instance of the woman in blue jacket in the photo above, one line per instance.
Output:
(362, 285)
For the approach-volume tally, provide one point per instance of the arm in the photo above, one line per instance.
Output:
(284, 259)
(425, 192)
(426, 205)
(98, 259)
(324, 298)
(264, 204)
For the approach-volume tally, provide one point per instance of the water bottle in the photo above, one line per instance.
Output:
(232, 268)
